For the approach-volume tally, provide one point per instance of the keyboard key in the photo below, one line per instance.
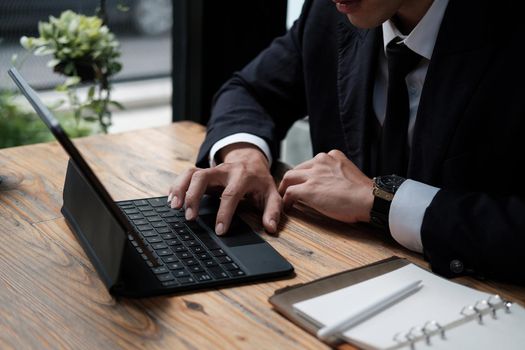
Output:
(191, 243)
(184, 255)
(175, 266)
(163, 230)
(186, 280)
(167, 236)
(179, 248)
(148, 233)
(154, 218)
(169, 214)
(190, 262)
(144, 227)
(144, 207)
(154, 239)
(125, 204)
(218, 272)
(170, 283)
(140, 202)
(135, 216)
(180, 273)
(159, 270)
(173, 242)
(131, 211)
(203, 256)
(164, 252)
(236, 273)
(186, 237)
(169, 259)
(159, 224)
(158, 246)
(209, 263)
(196, 268)
(180, 213)
(198, 249)
(140, 222)
(182, 231)
(162, 209)
(202, 277)
(224, 259)
(231, 266)
(174, 223)
(157, 202)
(165, 277)
(218, 252)
(148, 213)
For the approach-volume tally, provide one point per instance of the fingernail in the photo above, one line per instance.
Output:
(219, 229)
(170, 197)
(189, 213)
(176, 201)
(273, 224)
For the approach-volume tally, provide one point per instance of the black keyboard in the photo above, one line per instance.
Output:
(185, 252)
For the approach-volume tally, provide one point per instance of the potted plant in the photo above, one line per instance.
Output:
(85, 51)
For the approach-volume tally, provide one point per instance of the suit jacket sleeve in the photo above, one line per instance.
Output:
(265, 98)
(477, 233)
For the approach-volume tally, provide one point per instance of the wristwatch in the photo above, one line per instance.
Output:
(385, 188)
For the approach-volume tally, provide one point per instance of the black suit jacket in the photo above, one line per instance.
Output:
(468, 138)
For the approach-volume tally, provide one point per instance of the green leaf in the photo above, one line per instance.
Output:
(52, 63)
(90, 118)
(117, 104)
(91, 93)
(74, 80)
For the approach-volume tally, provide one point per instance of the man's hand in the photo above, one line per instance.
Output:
(244, 172)
(332, 185)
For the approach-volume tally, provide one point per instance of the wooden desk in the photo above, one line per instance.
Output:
(50, 295)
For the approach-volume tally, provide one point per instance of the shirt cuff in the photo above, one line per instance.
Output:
(407, 211)
(238, 138)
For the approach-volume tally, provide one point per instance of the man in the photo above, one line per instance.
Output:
(429, 90)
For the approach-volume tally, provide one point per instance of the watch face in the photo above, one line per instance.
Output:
(390, 183)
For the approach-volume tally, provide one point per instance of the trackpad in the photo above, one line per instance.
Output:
(239, 233)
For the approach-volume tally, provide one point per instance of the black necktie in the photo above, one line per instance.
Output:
(394, 142)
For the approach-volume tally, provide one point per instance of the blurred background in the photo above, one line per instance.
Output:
(175, 55)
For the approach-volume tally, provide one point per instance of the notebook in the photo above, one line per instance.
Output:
(441, 315)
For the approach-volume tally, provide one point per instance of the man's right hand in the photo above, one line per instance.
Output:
(244, 172)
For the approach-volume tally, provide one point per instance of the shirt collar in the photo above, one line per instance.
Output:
(423, 37)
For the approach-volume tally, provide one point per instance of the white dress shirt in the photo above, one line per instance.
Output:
(412, 198)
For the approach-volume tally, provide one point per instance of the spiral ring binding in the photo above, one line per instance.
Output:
(477, 311)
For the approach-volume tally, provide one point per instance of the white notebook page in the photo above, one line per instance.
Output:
(438, 299)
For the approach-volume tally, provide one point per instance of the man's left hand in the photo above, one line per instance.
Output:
(331, 184)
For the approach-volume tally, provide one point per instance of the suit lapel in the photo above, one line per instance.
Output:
(357, 62)
(461, 56)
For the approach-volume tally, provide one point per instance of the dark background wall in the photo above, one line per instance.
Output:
(217, 38)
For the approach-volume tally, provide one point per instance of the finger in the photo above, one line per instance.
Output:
(293, 177)
(230, 198)
(293, 194)
(319, 158)
(198, 185)
(178, 189)
(272, 211)
(337, 154)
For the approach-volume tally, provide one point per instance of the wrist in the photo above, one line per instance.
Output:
(384, 189)
(242, 151)
(367, 201)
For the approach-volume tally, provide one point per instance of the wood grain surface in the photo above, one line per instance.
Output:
(51, 296)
